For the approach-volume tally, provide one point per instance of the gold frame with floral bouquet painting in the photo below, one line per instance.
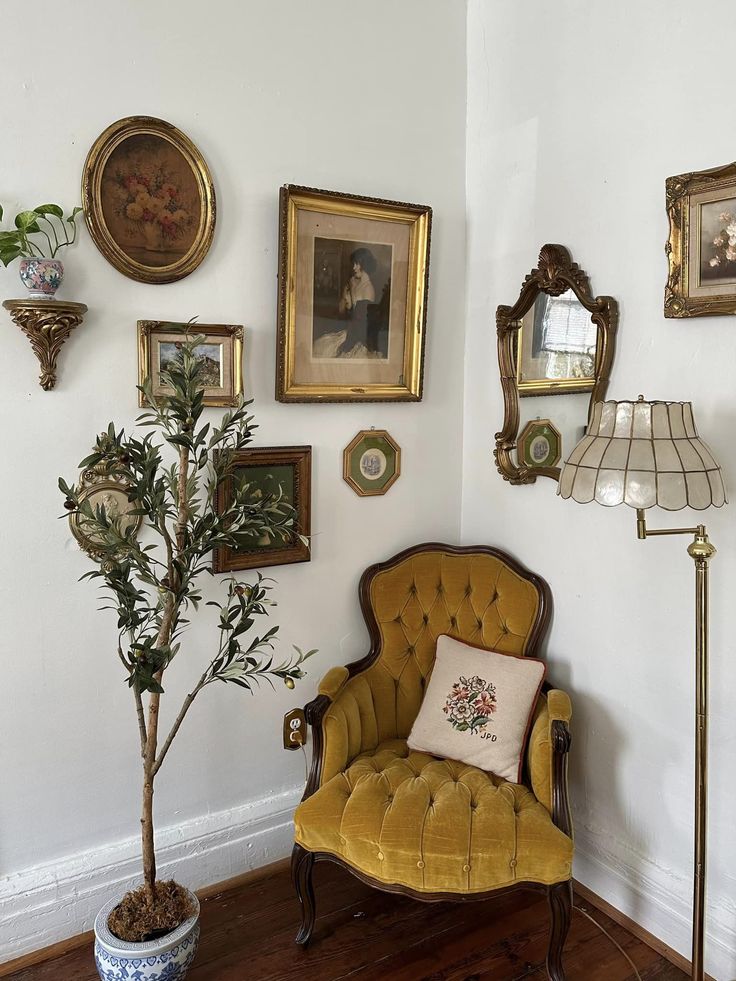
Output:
(701, 249)
(349, 332)
(228, 337)
(138, 154)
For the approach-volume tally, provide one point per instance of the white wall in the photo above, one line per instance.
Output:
(366, 99)
(577, 112)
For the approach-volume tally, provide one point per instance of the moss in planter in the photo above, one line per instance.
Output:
(136, 921)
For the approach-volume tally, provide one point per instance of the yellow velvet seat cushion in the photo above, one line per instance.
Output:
(434, 825)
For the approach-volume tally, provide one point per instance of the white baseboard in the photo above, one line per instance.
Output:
(47, 903)
(657, 899)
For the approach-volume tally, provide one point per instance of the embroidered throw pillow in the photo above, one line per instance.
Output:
(478, 707)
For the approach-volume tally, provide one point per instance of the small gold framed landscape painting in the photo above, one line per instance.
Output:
(149, 200)
(371, 462)
(220, 356)
(701, 249)
(284, 472)
(353, 275)
(540, 444)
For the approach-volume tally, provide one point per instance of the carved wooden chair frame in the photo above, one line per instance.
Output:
(559, 895)
(555, 273)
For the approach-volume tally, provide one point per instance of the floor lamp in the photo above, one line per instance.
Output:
(648, 454)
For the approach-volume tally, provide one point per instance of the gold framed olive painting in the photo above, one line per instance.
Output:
(284, 475)
(149, 200)
(352, 310)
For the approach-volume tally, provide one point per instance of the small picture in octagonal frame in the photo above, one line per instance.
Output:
(540, 444)
(371, 462)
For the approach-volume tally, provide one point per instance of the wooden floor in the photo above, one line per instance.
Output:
(361, 934)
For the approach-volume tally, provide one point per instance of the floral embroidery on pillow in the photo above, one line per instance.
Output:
(470, 704)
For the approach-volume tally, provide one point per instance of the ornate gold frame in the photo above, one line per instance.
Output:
(677, 300)
(46, 324)
(94, 166)
(92, 481)
(556, 272)
(232, 331)
(225, 559)
(294, 198)
(547, 386)
(347, 460)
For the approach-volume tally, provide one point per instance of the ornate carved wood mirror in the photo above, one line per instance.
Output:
(557, 339)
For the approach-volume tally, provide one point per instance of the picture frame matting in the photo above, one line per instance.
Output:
(352, 301)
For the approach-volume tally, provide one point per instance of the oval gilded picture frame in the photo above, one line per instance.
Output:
(149, 200)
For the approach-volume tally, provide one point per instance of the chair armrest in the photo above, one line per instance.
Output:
(333, 682)
(343, 722)
(547, 755)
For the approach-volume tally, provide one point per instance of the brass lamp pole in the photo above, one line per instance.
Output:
(701, 551)
(648, 454)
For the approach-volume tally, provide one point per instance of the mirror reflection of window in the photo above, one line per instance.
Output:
(564, 337)
(556, 346)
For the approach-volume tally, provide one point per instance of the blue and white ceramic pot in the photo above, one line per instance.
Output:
(41, 277)
(166, 959)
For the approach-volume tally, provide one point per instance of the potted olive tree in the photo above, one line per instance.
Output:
(155, 588)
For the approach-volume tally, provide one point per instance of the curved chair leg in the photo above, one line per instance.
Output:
(302, 863)
(560, 905)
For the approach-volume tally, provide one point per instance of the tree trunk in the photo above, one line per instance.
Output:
(149, 854)
(164, 636)
(149, 760)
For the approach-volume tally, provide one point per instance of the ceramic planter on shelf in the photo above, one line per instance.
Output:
(41, 277)
(166, 959)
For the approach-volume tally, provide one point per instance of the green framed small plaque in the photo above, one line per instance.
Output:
(371, 462)
(540, 444)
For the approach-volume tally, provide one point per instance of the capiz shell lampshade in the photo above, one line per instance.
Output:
(643, 454)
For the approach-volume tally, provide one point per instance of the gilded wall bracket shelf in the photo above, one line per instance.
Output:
(46, 324)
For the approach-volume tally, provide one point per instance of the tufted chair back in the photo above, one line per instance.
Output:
(478, 595)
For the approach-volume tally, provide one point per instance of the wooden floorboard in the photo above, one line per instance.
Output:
(365, 935)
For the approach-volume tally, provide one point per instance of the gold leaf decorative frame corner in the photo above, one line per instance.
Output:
(678, 301)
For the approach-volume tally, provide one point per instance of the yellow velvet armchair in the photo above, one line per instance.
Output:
(405, 821)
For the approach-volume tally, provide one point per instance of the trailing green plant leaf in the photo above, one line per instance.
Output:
(39, 233)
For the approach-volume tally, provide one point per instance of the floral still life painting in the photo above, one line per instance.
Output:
(701, 248)
(149, 200)
(470, 704)
(718, 242)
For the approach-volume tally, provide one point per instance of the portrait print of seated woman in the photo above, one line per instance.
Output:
(362, 324)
